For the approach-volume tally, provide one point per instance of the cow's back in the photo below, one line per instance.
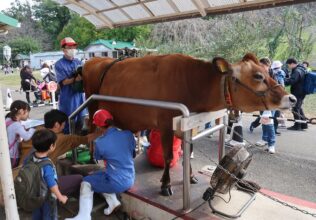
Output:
(165, 78)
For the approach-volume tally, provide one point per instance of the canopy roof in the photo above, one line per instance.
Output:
(112, 44)
(21, 57)
(118, 13)
(7, 22)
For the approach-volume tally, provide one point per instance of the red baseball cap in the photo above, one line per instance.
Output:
(100, 117)
(68, 41)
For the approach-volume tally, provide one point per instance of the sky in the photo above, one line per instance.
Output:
(4, 4)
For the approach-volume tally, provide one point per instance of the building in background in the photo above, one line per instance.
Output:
(37, 59)
(108, 48)
(21, 60)
(99, 48)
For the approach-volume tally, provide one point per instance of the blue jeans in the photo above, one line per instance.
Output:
(268, 134)
(48, 211)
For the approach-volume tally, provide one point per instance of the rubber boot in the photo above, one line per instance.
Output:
(85, 202)
(112, 201)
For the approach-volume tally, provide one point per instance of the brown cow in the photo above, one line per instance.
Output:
(179, 78)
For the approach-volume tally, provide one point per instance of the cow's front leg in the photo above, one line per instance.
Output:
(167, 143)
(166, 189)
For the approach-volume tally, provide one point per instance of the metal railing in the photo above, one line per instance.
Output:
(187, 134)
(161, 104)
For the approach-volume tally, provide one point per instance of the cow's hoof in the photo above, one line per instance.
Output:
(166, 191)
(193, 180)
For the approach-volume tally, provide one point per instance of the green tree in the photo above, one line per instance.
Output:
(238, 37)
(29, 26)
(126, 33)
(19, 10)
(83, 32)
(51, 16)
(299, 42)
(276, 32)
(24, 45)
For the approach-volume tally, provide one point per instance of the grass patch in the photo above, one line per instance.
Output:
(13, 80)
(309, 104)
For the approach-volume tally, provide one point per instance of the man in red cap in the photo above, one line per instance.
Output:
(117, 148)
(70, 98)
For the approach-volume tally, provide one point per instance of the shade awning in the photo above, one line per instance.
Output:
(119, 13)
(7, 22)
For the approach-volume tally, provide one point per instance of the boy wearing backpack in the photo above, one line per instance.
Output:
(44, 179)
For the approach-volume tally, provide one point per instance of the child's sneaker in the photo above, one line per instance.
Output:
(271, 149)
(261, 143)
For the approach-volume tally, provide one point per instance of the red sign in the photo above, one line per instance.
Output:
(52, 86)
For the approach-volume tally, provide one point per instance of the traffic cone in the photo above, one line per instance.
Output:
(8, 100)
(237, 135)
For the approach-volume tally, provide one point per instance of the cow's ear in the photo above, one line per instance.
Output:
(251, 56)
(222, 65)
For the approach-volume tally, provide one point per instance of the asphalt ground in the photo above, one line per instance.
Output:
(290, 171)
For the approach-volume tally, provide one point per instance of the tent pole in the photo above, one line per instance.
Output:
(10, 205)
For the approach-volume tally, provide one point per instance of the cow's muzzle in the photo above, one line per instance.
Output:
(288, 101)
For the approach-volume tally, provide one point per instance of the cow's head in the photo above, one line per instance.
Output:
(250, 86)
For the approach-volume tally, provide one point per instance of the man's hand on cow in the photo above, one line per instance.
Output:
(63, 199)
(78, 78)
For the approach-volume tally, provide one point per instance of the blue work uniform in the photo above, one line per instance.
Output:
(116, 147)
(69, 100)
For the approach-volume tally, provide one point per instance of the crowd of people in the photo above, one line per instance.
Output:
(7, 68)
(293, 77)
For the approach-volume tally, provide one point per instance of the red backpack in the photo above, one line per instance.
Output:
(155, 153)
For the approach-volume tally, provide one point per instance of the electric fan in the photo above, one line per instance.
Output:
(234, 164)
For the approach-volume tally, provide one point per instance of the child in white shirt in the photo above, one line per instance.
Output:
(19, 111)
(268, 132)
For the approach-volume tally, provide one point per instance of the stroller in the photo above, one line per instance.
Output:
(45, 94)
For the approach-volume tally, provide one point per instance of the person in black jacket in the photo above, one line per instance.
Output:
(296, 81)
(28, 83)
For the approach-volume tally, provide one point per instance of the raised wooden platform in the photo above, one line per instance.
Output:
(144, 200)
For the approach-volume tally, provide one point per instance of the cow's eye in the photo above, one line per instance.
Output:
(258, 77)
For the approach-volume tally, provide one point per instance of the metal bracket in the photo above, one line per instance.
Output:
(240, 212)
